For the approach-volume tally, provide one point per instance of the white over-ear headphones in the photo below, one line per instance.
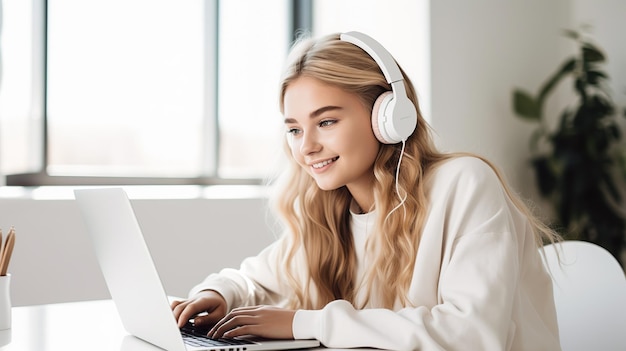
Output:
(394, 116)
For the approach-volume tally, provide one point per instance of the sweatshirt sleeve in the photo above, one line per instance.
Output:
(478, 276)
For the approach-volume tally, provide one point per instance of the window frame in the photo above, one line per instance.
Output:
(300, 19)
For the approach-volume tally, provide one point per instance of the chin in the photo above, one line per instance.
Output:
(328, 186)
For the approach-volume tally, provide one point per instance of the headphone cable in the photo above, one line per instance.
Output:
(402, 199)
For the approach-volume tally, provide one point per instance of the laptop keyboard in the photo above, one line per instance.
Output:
(195, 337)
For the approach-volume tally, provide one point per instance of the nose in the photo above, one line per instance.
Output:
(309, 143)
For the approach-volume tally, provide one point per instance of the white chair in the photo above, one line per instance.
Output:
(590, 296)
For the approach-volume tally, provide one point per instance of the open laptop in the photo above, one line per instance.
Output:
(133, 280)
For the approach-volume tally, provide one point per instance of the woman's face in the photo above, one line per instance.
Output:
(330, 135)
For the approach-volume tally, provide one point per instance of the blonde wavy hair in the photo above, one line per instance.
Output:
(317, 222)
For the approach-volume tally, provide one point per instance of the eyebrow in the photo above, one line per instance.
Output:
(316, 113)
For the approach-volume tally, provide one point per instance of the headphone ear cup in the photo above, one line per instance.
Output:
(378, 117)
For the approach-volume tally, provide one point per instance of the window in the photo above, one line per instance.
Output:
(20, 91)
(126, 83)
(252, 49)
(146, 91)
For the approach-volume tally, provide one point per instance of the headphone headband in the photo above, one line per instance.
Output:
(382, 57)
(394, 116)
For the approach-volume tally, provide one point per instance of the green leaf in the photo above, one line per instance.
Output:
(592, 53)
(614, 131)
(595, 77)
(546, 179)
(525, 105)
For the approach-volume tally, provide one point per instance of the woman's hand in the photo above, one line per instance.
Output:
(264, 321)
(208, 301)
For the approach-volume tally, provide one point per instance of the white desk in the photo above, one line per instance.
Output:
(66, 326)
(88, 325)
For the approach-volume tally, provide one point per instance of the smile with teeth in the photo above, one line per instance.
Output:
(324, 163)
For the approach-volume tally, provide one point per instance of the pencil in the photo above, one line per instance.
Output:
(6, 252)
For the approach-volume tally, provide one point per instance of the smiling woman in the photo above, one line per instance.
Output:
(433, 251)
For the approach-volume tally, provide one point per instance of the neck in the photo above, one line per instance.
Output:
(356, 208)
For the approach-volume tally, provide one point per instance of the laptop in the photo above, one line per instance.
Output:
(134, 282)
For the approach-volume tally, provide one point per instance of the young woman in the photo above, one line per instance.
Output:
(388, 242)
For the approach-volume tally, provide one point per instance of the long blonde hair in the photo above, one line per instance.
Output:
(318, 222)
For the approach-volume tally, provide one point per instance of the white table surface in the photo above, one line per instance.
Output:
(86, 325)
(65, 326)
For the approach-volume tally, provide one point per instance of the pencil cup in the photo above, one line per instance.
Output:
(5, 302)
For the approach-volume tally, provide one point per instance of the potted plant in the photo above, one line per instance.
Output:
(579, 166)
